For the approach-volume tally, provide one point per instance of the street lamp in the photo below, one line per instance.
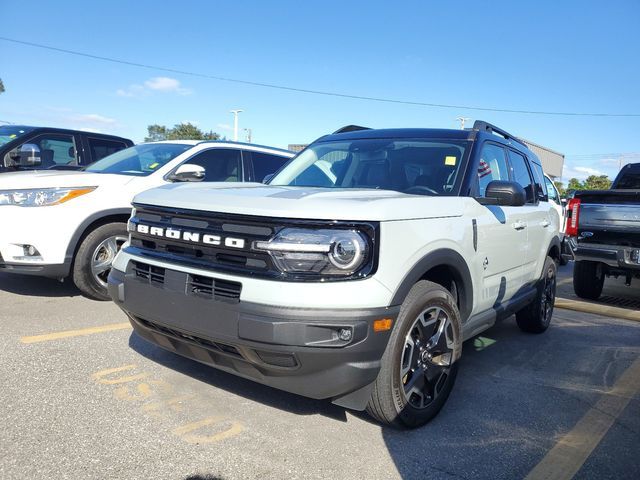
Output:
(235, 124)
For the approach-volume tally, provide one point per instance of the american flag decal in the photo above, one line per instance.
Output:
(483, 169)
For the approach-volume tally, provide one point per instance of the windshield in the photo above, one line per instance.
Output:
(629, 181)
(423, 167)
(8, 133)
(140, 160)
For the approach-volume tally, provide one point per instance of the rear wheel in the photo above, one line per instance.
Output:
(94, 257)
(588, 279)
(536, 317)
(419, 367)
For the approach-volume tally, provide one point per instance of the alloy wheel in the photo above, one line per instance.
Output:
(103, 256)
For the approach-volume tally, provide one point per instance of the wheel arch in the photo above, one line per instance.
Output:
(91, 223)
(447, 268)
(555, 250)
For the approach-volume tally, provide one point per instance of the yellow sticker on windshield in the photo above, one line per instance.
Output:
(450, 160)
(154, 165)
(13, 135)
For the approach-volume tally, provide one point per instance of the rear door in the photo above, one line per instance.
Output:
(534, 215)
(502, 234)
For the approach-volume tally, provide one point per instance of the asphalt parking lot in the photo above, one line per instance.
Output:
(83, 397)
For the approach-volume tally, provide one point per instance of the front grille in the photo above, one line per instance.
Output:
(213, 288)
(170, 332)
(222, 242)
(150, 273)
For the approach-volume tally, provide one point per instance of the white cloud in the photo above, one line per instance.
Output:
(154, 85)
(93, 119)
(224, 126)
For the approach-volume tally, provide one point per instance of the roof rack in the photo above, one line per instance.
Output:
(487, 127)
(351, 128)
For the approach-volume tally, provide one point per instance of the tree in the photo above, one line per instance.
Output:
(560, 186)
(1, 86)
(180, 131)
(597, 182)
(574, 184)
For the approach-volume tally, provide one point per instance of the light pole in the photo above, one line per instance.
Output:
(235, 124)
(462, 121)
(247, 132)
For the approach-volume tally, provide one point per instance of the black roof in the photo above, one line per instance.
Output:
(32, 128)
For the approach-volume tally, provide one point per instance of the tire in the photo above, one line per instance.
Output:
(588, 279)
(93, 259)
(427, 307)
(536, 317)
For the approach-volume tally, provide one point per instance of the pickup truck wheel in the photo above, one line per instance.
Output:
(536, 317)
(419, 366)
(588, 279)
(94, 257)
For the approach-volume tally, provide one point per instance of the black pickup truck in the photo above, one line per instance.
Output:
(604, 231)
(28, 148)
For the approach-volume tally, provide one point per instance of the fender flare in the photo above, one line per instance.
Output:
(79, 232)
(441, 257)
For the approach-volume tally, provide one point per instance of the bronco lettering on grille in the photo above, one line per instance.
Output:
(188, 236)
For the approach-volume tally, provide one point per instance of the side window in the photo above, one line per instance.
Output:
(540, 185)
(551, 190)
(492, 166)
(220, 164)
(265, 164)
(55, 149)
(100, 148)
(521, 174)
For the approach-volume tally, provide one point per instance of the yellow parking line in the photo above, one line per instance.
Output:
(75, 333)
(586, 307)
(564, 460)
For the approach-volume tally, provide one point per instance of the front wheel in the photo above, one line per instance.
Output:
(419, 366)
(93, 259)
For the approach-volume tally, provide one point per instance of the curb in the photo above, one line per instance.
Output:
(587, 307)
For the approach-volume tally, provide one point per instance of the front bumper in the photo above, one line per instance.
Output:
(298, 350)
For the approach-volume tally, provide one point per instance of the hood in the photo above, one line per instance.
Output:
(257, 199)
(59, 178)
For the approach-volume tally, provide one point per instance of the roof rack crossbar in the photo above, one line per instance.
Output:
(351, 128)
(486, 126)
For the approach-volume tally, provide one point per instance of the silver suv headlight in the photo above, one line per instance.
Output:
(330, 252)
(41, 197)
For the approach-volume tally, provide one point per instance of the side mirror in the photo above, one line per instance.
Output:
(188, 172)
(506, 194)
(268, 178)
(27, 155)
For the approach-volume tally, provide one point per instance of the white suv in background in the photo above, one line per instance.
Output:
(72, 223)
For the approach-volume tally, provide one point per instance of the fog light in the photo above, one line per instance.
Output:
(30, 251)
(345, 334)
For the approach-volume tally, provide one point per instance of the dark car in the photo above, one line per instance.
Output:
(604, 227)
(29, 148)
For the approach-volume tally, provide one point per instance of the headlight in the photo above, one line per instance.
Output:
(41, 197)
(324, 251)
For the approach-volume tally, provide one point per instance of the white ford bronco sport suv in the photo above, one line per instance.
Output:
(356, 273)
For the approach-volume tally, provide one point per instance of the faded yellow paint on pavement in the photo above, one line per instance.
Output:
(586, 307)
(75, 333)
(566, 458)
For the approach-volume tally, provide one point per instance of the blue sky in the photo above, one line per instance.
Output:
(570, 56)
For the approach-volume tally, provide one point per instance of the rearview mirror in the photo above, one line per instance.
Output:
(505, 194)
(188, 172)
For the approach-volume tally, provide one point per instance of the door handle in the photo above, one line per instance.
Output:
(519, 225)
(545, 223)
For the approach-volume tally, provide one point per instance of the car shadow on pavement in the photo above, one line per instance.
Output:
(37, 286)
(249, 389)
